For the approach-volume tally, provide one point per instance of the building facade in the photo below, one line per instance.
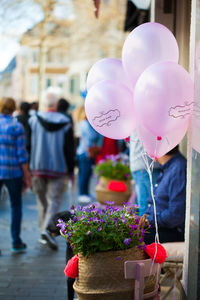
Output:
(61, 55)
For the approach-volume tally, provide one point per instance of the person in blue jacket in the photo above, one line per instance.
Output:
(170, 199)
(52, 160)
(88, 138)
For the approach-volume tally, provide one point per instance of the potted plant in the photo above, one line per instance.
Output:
(104, 239)
(114, 179)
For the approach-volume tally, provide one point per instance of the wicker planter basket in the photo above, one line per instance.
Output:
(103, 194)
(101, 276)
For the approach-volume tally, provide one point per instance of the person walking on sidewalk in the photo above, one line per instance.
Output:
(14, 172)
(89, 139)
(23, 118)
(52, 160)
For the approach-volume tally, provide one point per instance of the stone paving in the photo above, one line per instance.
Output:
(38, 273)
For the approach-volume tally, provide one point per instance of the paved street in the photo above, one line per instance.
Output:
(38, 273)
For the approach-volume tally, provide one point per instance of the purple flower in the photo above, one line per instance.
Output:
(110, 203)
(124, 221)
(101, 161)
(118, 258)
(133, 227)
(141, 240)
(89, 232)
(143, 232)
(62, 226)
(127, 241)
(99, 228)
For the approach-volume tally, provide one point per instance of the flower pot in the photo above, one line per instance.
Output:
(103, 194)
(101, 276)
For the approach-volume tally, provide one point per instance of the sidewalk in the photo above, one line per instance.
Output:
(38, 273)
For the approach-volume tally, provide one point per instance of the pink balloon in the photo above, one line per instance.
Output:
(145, 45)
(107, 68)
(110, 110)
(156, 146)
(163, 97)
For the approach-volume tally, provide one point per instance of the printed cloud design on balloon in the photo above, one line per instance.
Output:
(106, 118)
(180, 111)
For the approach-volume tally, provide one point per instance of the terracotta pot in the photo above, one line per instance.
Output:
(101, 276)
(103, 194)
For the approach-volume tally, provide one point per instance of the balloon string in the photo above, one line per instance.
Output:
(154, 202)
(149, 169)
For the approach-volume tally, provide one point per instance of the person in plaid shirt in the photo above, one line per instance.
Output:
(14, 171)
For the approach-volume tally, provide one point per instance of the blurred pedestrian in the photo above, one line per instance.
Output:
(89, 147)
(23, 118)
(109, 147)
(139, 172)
(77, 117)
(63, 107)
(52, 160)
(33, 109)
(14, 172)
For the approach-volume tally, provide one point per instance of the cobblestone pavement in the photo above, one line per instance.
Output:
(38, 273)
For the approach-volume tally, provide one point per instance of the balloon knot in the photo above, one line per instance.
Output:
(159, 138)
(127, 139)
(154, 157)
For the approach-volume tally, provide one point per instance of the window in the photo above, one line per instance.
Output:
(60, 57)
(34, 56)
(48, 82)
(74, 85)
(49, 56)
(34, 84)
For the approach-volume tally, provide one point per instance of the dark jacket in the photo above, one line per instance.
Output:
(52, 145)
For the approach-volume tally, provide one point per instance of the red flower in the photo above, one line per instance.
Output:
(161, 254)
(117, 186)
(71, 269)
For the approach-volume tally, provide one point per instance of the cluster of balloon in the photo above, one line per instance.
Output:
(147, 90)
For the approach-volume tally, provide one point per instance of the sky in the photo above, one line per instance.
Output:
(16, 17)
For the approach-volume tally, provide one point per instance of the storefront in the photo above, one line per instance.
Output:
(183, 19)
